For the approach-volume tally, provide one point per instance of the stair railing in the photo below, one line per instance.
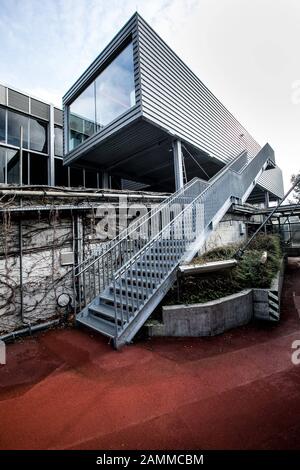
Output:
(178, 235)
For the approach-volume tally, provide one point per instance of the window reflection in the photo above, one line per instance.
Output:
(14, 122)
(2, 125)
(38, 136)
(13, 166)
(115, 91)
(109, 96)
(9, 166)
(2, 164)
(82, 117)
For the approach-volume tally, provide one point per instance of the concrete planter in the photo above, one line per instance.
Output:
(218, 316)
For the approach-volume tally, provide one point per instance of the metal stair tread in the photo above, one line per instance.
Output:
(130, 289)
(109, 297)
(104, 310)
(99, 324)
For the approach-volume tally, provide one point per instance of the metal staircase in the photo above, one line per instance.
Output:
(119, 286)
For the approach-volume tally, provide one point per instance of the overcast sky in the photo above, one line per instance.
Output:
(246, 51)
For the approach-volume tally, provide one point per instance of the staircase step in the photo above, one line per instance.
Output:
(151, 273)
(138, 281)
(98, 324)
(153, 265)
(131, 290)
(158, 257)
(105, 311)
(168, 246)
(109, 297)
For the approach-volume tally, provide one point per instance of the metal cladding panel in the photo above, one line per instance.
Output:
(18, 101)
(58, 116)
(173, 97)
(2, 94)
(128, 32)
(39, 109)
(272, 181)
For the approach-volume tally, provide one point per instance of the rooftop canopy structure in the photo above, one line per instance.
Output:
(141, 115)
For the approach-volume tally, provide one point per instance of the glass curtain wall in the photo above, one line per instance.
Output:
(111, 94)
(34, 132)
(9, 165)
(2, 125)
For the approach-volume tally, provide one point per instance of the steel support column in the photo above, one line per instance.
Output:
(267, 199)
(178, 164)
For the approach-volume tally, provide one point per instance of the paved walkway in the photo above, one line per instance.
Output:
(69, 389)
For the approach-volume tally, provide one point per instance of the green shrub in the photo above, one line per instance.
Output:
(248, 273)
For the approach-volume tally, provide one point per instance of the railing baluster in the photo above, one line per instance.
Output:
(116, 309)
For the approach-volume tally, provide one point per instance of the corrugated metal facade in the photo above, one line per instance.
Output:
(168, 96)
(173, 97)
(272, 181)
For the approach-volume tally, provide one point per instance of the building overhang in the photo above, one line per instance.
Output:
(142, 151)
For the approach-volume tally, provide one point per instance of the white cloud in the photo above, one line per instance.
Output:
(245, 51)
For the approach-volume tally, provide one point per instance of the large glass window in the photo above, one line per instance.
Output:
(10, 166)
(2, 125)
(76, 177)
(13, 166)
(91, 179)
(38, 169)
(2, 164)
(82, 117)
(110, 95)
(38, 136)
(25, 174)
(14, 122)
(58, 141)
(61, 173)
(115, 91)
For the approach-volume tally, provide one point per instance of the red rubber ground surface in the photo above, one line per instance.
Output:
(69, 389)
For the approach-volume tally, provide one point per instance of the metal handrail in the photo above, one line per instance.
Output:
(128, 230)
(216, 178)
(92, 276)
(137, 224)
(104, 265)
(247, 174)
(141, 220)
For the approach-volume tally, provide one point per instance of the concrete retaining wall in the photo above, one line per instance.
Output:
(208, 319)
(217, 316)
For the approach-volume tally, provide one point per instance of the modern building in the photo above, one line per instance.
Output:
(42, 144)
(141, 114)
